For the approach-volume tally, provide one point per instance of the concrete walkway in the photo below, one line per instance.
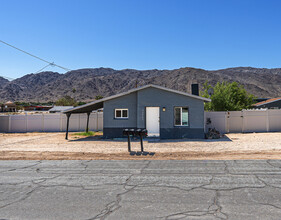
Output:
(140, 190)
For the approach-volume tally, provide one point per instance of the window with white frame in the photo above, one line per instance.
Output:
(181, 116)
(121, 113)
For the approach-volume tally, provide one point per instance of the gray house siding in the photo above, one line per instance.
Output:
(113, 127)
(153, 97)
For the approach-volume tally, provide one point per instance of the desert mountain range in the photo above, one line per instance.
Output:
(85, 84)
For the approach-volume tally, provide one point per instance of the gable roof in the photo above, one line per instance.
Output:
(99, 103)
(267, 101)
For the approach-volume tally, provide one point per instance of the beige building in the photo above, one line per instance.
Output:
(8, 107)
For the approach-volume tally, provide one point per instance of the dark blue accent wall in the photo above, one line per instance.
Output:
(178, 133)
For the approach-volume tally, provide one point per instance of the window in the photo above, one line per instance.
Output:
(121, 113)
(181, 116)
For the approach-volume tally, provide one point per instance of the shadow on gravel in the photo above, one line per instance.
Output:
(222, 139)
(149, 140)
(90, 138)
(139, 153)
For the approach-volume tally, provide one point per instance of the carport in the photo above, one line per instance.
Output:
(87, 108)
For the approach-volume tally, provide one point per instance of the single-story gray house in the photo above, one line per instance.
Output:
(165, 113)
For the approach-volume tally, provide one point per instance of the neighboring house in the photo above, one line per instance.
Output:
(8, 107)
(57, 109)
(165, 113)
(36, 108)
(274, 103)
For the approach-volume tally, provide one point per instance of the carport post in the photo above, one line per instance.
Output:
(67, 125)
(129, 143)
(88, 117)
(141, 143)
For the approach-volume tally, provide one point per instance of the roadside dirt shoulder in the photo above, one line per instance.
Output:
(53, 146)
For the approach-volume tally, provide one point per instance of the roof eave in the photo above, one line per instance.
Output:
(265, 103)
(134, 90)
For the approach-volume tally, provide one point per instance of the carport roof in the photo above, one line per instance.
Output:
(89, 107)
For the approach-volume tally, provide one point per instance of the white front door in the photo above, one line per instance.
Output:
(153, 121)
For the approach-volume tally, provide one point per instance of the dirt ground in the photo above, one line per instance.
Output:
(52, 146)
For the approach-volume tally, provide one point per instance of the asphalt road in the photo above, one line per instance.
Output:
(140, 190)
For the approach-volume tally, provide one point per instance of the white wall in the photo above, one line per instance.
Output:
(274, 120)
(217, 119)
(225, 122)
(265, 120)
(50, 122)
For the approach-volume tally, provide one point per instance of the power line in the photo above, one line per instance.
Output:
(44, 67)
(50, 63)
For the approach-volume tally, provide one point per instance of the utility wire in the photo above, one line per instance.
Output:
(50, 63)
(44, 68)
(11, 79)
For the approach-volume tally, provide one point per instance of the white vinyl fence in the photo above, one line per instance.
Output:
(264, 120)
(225, 122)
(50, 122)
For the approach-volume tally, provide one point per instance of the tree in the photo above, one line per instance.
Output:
(19, 107)
(66, 101)
(98, 97)
(81, 103)
(227, 97)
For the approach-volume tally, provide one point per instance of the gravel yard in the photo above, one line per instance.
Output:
(39, 146)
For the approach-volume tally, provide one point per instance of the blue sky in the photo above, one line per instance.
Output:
(139, 34)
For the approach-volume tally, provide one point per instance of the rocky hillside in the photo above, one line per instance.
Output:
(3, 82)
(49, 86)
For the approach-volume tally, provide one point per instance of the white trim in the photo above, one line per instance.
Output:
(134, 90)
(121, 109)
(181, 125)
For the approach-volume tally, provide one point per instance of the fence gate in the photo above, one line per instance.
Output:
(234, 122)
